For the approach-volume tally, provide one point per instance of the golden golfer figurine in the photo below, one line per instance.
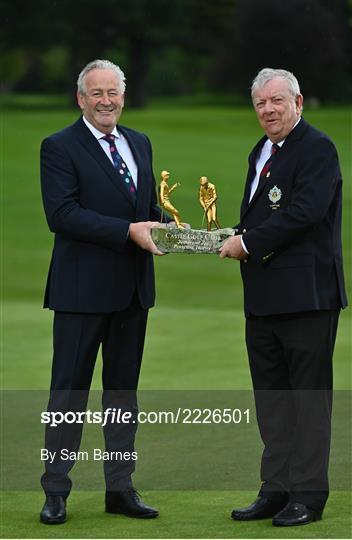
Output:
(207, 198)
(164, 194)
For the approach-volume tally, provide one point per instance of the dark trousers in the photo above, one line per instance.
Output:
(290, 359)
(77, 338)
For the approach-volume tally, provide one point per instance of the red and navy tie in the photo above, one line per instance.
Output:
(267, 164)
(120, 165)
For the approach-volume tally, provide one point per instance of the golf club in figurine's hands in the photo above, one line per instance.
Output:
(207, 199)
(180, 239)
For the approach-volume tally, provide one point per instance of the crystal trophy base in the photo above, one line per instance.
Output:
(174, 240)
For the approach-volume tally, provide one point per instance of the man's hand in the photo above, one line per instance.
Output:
(233, 248)
(140, 234)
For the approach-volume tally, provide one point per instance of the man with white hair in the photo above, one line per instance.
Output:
(100, 202)
(291, 266)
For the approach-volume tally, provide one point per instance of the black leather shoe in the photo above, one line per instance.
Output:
(261, 508)
(129, 504)
(296, 514)
(54, 510)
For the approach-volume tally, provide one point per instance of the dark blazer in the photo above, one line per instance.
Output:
(95, 268)
(294, 239)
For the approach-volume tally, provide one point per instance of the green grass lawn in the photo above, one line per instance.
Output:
(196, 331)
(189, 514)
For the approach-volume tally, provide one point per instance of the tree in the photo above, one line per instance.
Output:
(309, 37)
(204, 44)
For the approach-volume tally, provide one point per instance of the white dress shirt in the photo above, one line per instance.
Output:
(121, 145)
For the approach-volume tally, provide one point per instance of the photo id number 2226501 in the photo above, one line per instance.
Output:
(215, 416)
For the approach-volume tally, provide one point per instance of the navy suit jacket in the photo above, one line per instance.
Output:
(293, 228)
(95, 268)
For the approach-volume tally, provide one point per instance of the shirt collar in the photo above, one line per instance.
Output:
(280, 143)
(96, 133)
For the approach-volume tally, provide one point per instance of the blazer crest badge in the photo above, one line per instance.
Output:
(275, 195)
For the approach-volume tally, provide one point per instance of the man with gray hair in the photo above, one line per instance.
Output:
(100, 202)
(291, 266)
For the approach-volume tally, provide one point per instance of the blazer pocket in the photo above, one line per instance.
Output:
(293, 261)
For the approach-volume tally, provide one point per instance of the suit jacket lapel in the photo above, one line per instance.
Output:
(95, 150)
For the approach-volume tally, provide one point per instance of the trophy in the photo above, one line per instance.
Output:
(176, 237)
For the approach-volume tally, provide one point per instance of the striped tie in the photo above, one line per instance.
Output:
(265, 170)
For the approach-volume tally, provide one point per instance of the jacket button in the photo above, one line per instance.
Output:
(244, 230)
(244, 260)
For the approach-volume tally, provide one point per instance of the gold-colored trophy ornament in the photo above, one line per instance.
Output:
(207, 199)
(179, 239)
(164, 198)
